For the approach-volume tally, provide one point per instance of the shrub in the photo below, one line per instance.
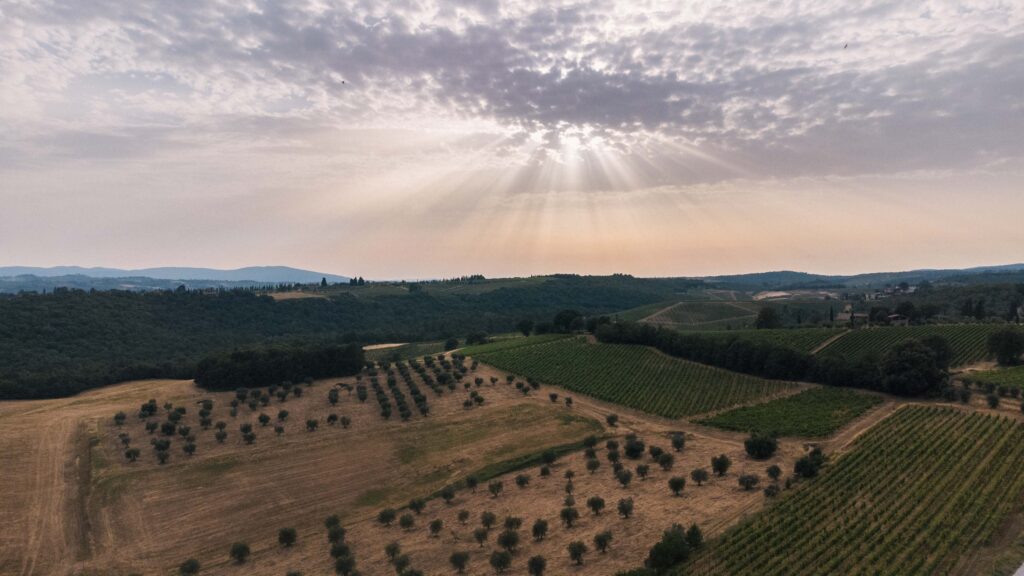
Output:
(335, 534)
(509, 540)
(386, 516)
(808, 466)
(540, 529)
(569, 516)
(625, 507)
(593, 464)
(676, 484)
(523, 480)
(1006, 345)
(678, 441)
(536, 565)
(435, 527)
(417, 505)
(480, 535)
(671, 550)
(513, 523)
(760, 446)
(463, 516)
(392, 550)
(993, 401)
(487, 519)
(612, 420)
(286, 537)
(666, 461)
(771, 490)
(495, 488)
(624, 477)
(448, 494)
(549, 457)
(239, 552)
(749, 481)
(596, 504)
(634, 449)
(406, 521)
(700, 475)
(774, 472)
(189, 567)
(602, 540)
(576, 551)
(720, 464)
(694, 537)
(459, 561)
(500, 561)
(345, 565)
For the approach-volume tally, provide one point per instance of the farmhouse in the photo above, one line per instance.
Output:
(898, 320)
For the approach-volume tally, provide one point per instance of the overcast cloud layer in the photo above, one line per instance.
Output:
(527, 136)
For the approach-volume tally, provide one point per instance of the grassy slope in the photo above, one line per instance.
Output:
(1003, 377)
(634, 376)
(816, 412)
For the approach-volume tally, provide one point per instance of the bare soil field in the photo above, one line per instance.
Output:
(73, 504)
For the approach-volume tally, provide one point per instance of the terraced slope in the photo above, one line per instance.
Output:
(634, 376)
(968, 340)
(917, 492)
(816, 412)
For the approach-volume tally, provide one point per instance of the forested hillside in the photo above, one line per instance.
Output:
(62, 343)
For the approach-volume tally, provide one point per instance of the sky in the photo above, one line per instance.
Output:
(419, 139)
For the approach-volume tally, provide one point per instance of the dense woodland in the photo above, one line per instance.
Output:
(62, 343)
(271, 366)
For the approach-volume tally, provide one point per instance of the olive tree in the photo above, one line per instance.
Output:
(576, 551)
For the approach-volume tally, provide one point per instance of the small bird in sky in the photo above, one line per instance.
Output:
(844, 48)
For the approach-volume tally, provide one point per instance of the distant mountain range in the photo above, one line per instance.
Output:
(792, 280)
(256, 274)
(15, 279)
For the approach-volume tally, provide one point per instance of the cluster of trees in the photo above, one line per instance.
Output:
(62, 343)
(265, 366)
(911, 368)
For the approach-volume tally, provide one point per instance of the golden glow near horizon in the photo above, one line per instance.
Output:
(529, 138)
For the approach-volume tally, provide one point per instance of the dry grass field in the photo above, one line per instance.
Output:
(73, 504)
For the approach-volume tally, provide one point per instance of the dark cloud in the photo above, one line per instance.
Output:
(919, 86)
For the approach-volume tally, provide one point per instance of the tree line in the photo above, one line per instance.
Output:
(62, 343)
(268, 366)
(911, 368)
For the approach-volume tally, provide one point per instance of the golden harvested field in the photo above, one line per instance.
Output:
(73, 504)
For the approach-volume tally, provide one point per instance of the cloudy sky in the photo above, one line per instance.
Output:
(423, 139)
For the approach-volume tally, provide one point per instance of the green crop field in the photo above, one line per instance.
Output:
(710, 312)
(816, 412)
(802, 339)
(511, 344)
(634, 376)
(1010, 377)
(917, 492)
(968, 340)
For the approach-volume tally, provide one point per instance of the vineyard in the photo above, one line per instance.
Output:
(817, 412)
(918, 491)
(1008, 377)
(510, 344)
(709, 315)
(802, 339)
(968, 340)
(633, 376)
